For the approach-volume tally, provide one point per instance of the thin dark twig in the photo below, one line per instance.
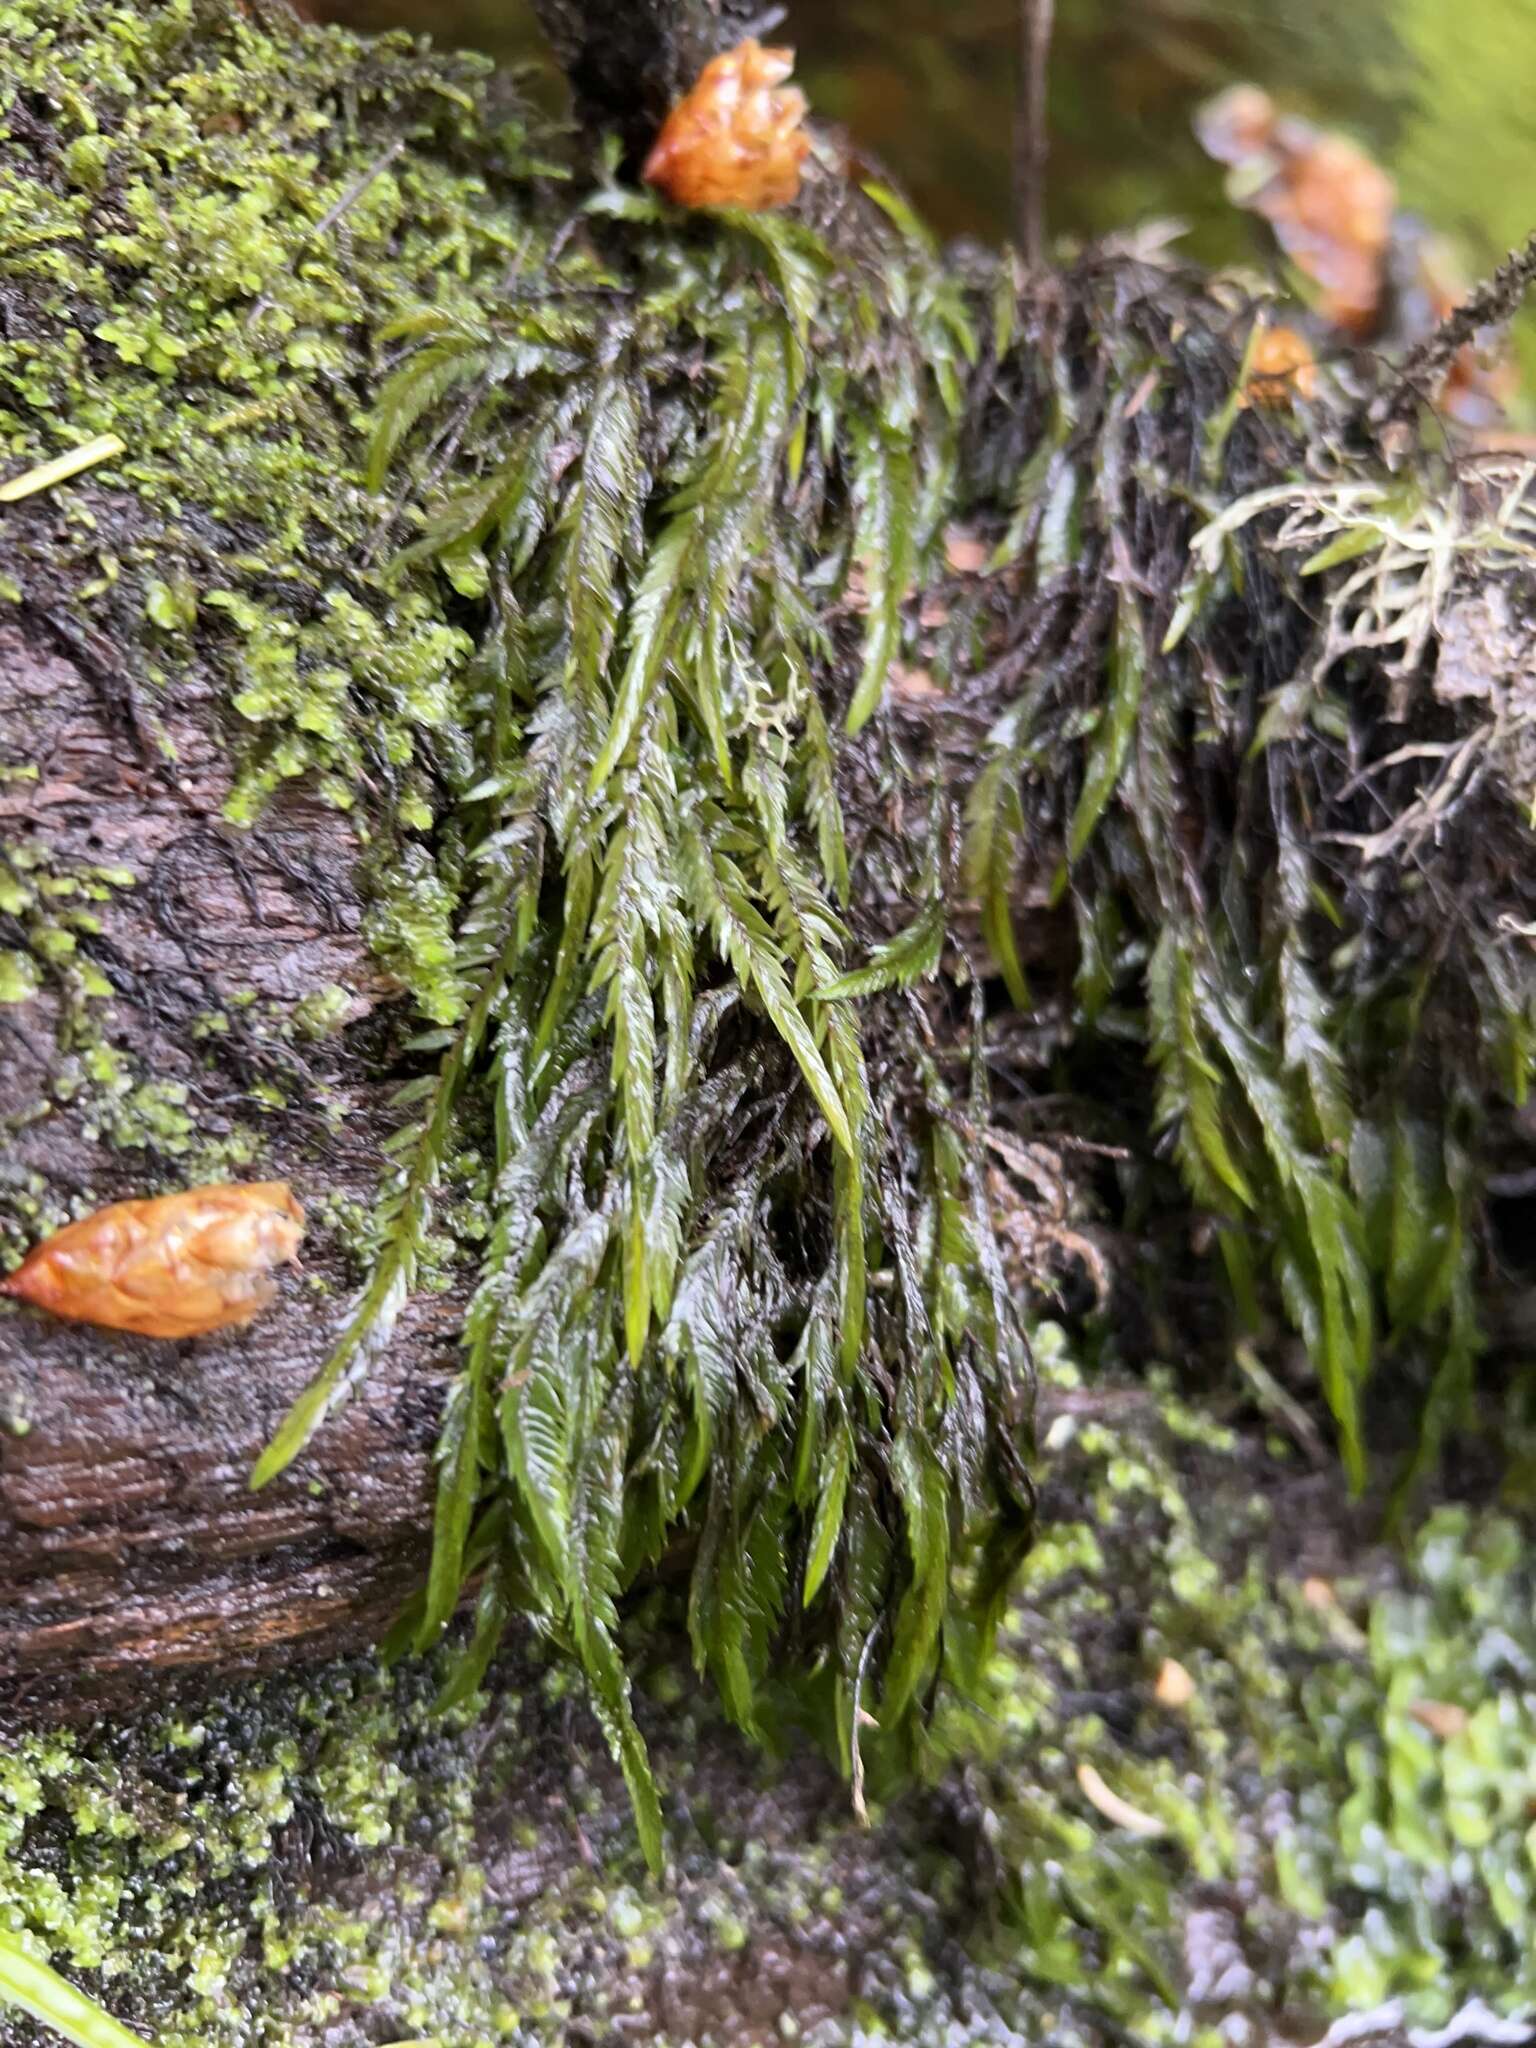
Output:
(1494, 301)
(1031, 141)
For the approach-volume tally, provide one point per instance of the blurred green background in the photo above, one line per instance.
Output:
(1442, 91)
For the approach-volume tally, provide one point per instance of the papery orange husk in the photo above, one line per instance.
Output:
(169, 1265)
(1330, 205)
(736, 139)
(1281, 368)
(1381, 275)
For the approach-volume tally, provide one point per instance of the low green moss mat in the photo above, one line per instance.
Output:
(1343, 1789)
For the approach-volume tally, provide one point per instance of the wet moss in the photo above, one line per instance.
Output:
(209, 216)
(48, 903)
(1327, 1745)
(213, 232)
(1341, 1777)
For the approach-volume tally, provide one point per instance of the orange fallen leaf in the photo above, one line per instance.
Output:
(1330, 205)
(1381, 276)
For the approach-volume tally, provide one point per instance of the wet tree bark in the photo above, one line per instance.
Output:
(130, 1541)
(129, 1537)
(627, 60)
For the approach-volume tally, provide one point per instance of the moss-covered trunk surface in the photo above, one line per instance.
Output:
(745, 810)
(127, 1532)
(185, 996)
(1322, 1763)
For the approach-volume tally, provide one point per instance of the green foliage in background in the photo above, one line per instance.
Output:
(1466, 158)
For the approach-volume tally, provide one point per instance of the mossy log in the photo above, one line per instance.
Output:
(216, 927)
(591, 634)
(239, 971)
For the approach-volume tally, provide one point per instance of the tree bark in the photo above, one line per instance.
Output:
(627, 60)
(128, 1534)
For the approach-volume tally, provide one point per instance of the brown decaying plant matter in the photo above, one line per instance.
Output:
(1381, 277)
(1281, 367)
(1330, 206)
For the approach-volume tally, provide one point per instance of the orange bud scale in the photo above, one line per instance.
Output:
(1281, 367)
(736, 138)
(169, 1266)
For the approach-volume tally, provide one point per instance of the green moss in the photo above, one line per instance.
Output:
(731, 1305)
(46, 902)
(19, 977)
(1344, 1794)
(626, 927)
(208, 259)
(320, 1013)
(1348, 1773)
(164, 1872)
